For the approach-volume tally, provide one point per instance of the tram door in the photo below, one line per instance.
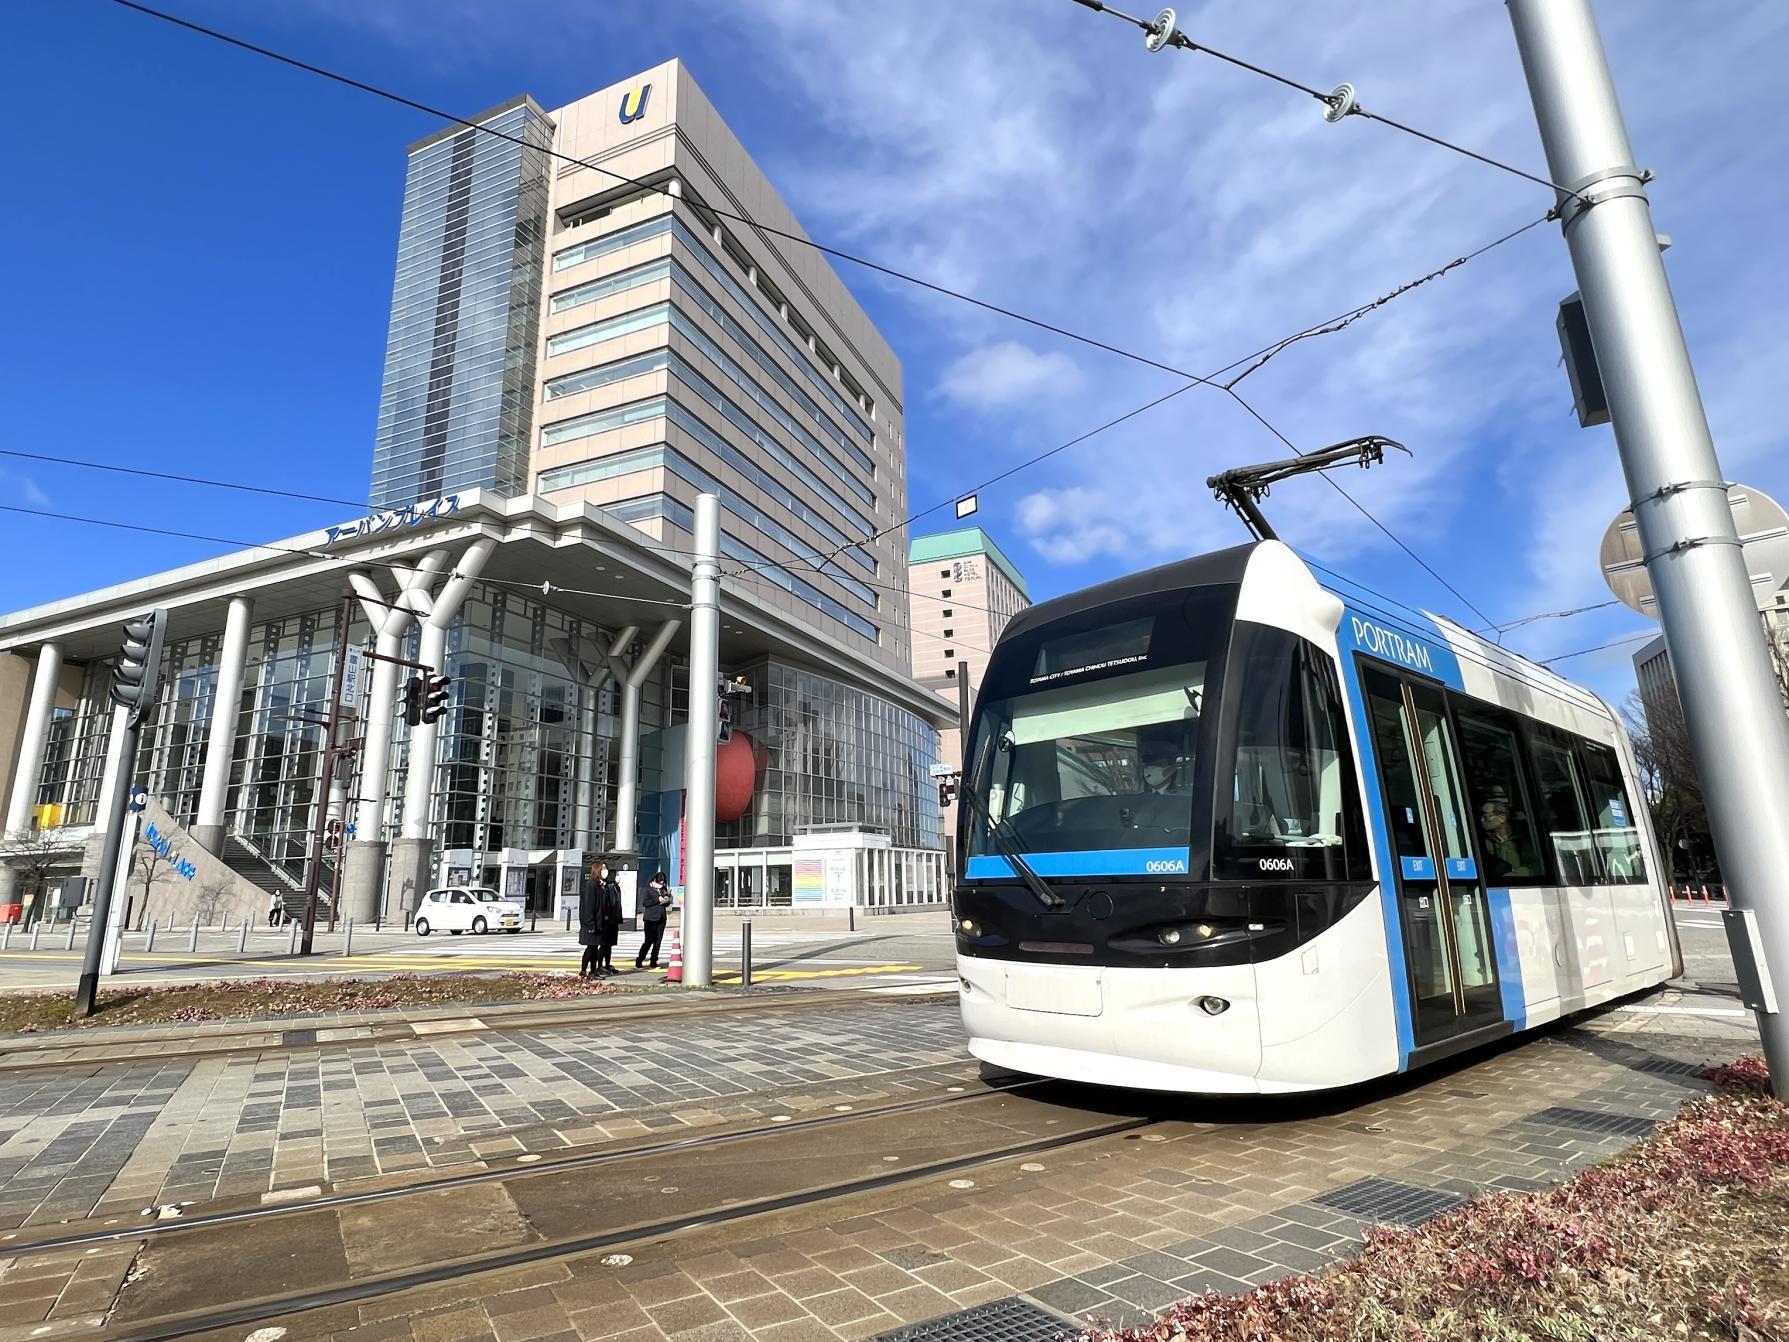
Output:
(1448, 949)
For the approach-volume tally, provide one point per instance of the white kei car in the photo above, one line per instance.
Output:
(467, 909)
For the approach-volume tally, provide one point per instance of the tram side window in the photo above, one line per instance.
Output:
(1563, 811)
(1293, 793)
(1617, 839)
(1491, 755)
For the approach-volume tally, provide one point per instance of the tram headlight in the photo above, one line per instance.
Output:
(1169, 936)
(1206, 931)
(1212, 1006)
(967, 927)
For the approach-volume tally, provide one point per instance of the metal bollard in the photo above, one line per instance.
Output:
(70, 944)
(347, 938)
(223, 921)
(851, 919)
(36, 928)
(568, 917)
(5, 935)
(242, 937)
(533, 922)
(192, 944)
(745, 953)
(149, 938)
(292, 940)
(408, 914)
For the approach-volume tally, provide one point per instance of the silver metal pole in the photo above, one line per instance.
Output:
(699, 751)
(348, 938)
(292, 937)
(242, 937)
(1739, 733)
(192, 944)
(5, 935)
(111, 877)
(745, 953)
(149, 939)
(69, 943)
(120, 878)
(36, 930)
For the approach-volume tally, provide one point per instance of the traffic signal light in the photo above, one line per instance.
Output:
(138, 674)
(736, 688)
(413, 690)
(434, 697)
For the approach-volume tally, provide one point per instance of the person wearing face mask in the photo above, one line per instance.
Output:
(1162, 771)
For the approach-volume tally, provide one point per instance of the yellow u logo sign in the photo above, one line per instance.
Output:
(633, 103)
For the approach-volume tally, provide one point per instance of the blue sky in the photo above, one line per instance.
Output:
(203, 244)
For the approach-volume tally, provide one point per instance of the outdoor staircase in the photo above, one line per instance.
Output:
(248, 861)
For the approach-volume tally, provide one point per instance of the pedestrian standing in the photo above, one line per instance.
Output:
(654, 905)
(590, 899)
(608, 919)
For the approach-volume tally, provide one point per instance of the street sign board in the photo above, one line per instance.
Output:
(353, 668)
(1763, 529)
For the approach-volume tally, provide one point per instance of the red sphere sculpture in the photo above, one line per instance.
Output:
(735, 777)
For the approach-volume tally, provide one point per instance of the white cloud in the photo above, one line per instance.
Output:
(1008, 373)
(21, 488)
(1037, 157)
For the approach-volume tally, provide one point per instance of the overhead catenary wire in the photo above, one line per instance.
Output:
(1362, 509)
(642, 184)
(1254, 361)
(867, 263)
(348, 560)
(1600, 647)
(1338, 103)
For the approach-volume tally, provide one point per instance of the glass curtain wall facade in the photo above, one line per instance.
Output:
(831, 754)
(456, 404)
(528, 747)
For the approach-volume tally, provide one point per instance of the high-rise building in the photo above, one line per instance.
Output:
(585, 326)
(599, 313)
(456, 406)
(963, 590)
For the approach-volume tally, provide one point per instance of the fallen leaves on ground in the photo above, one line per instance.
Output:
(276, 998)
(1680, 1237)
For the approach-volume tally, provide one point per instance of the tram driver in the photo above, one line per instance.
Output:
(1164, 770)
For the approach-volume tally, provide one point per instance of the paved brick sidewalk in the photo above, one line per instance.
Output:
(1232, 1196)
(78, 1142)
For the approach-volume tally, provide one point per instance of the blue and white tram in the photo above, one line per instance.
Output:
(1234, 825)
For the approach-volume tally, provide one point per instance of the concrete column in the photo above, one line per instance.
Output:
(631, 677)
(700, 745)
(363, 857)
(220, 740)
(413, 856)
(34, 738)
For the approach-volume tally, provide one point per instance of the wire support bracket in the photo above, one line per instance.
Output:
(1575, 198)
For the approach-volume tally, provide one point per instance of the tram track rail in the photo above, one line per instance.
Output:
(973, 1129)
(545, 1165)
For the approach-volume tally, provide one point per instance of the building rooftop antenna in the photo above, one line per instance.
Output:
(1243, 487)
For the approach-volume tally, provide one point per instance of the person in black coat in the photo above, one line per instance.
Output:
(653, 906)
(599, 921)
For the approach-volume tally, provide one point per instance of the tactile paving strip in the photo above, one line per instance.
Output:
(1388, 1200)
(1591, 1120)
(1008, 1320)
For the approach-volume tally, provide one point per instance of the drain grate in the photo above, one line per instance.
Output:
(1388, 1200)
(1591, 1120)
(1671, 1067)
(1008, 1320)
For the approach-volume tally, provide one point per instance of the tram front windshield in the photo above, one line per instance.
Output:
(1087, 737)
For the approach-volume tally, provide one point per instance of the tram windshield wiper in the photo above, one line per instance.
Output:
(997, 832)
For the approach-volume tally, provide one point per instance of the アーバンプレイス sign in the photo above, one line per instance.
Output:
(376, 524)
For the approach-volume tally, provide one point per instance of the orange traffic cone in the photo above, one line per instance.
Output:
(675, 973)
